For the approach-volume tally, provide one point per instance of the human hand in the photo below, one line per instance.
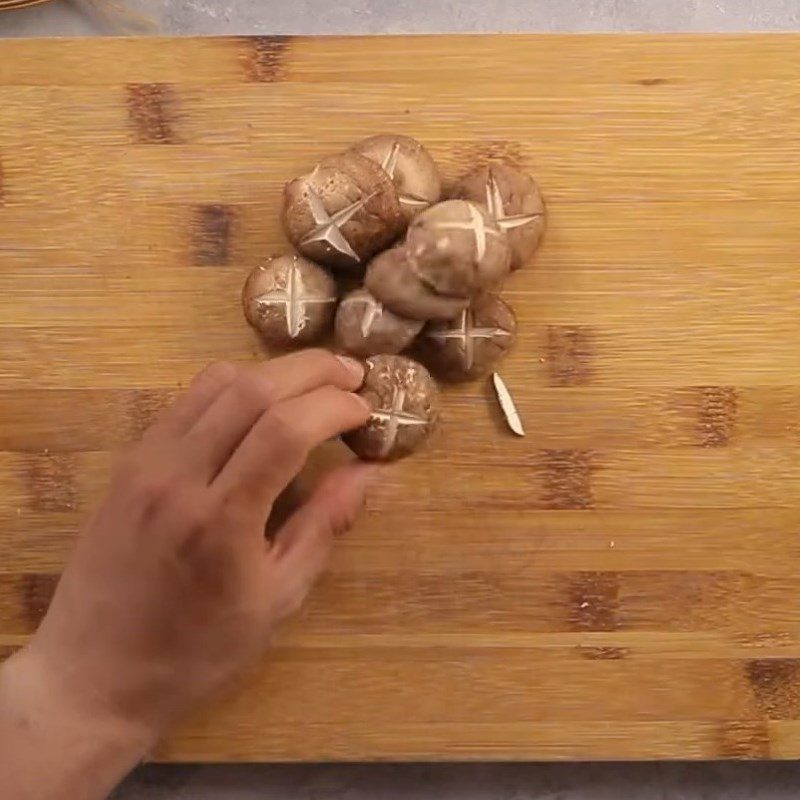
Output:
(173, 588)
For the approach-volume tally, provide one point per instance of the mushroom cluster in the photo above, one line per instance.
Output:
(414, 272)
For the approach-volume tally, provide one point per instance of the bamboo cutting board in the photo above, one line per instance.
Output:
(624, 582)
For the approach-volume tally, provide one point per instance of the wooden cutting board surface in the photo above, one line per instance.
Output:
(622, 583)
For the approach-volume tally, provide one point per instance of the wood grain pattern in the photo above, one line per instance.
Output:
(623, 582)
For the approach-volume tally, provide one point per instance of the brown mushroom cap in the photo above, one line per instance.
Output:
(458, 249)
(343, 212)
(470, 345)
(410, 167)
(289, 300)
(514, 200)
(405, 400)
(364, 327)
(392, 280)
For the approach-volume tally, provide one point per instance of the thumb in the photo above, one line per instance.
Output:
(303, 544)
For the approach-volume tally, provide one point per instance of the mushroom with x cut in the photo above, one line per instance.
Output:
(343, 212)
(365, 327)
(411, 168)
(405, 405)
(472, 344)
(329, 226)
(457, 249)
(289, 300)
(514, 201)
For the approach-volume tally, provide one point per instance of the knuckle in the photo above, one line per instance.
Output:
(228, 508)
(338, 525)
(135, 466)
(324, 361)
(284, 433)
(290, 602)
(197, 541)
(217, 373)
(191, 514)
(146, 479)
(150, 491)
(256, 390)
(128, 460)
(294, 603)
(228, 512)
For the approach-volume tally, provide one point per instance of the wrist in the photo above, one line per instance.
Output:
(44, 702)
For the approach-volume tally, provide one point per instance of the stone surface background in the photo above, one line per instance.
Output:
(68, 17)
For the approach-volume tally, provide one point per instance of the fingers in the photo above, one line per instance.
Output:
(302, 546)
(205, 387)
(226, 422)
(276, 447)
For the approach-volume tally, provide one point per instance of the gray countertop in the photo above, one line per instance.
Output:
(69, 17)
(465, 781)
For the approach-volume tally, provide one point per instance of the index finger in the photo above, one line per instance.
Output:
(206, 386)
(276, 447)
(220, 429)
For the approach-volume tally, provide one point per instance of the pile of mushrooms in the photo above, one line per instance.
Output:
(390, 267)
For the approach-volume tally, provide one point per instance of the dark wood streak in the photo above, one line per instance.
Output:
(37, 592)
(651, 81)
(717, 408)
(211, 232)
(473, 154)
(2, 185)
(743, 739)
(267, 57)
(567, 479)
(603, 653)
(152, 110)
(593, 601)
(570, 355)
(776, 686)
(51, 482)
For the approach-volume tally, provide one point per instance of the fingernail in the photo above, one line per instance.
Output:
(356, 368)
